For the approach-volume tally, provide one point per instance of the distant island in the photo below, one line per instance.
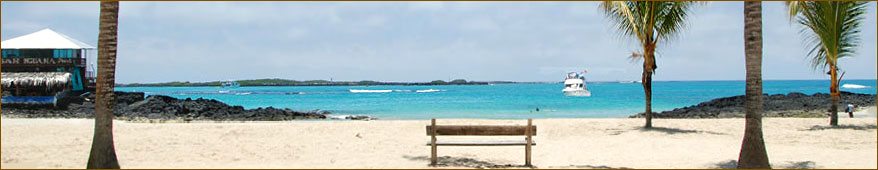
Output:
(284, 82)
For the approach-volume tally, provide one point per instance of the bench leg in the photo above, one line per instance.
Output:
(527, 156)
(433, 159)
(527, 146)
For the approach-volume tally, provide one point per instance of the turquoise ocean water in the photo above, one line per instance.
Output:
(500, 101)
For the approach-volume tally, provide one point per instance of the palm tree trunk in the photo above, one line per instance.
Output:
(753, 154)
(648, 70)
(833, 91)
(103, 154)
(647, 90)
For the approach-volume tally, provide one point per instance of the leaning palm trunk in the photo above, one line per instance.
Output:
(832, 28)
(103, 154)
(753, 154)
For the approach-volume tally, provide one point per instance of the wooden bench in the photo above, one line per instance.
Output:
(482, 130)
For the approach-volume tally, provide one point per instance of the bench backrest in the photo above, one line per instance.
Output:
(482, 130)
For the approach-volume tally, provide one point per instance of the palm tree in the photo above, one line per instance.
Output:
(753, 155)
(832, 29)
(649, 22)
(103, 154)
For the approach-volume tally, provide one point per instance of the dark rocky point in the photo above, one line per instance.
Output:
(133, 105)
(790, 105)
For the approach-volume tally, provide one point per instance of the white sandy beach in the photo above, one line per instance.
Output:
(562, 143)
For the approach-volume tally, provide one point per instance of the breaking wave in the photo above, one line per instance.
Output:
(854, 86)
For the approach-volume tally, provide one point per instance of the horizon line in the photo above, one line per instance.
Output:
(486, 81)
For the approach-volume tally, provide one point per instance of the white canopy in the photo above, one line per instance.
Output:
(44, 39)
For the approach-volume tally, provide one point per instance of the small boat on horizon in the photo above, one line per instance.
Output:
(230, 84)
(575, 85)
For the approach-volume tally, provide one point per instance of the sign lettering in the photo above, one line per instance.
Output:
(38, 61)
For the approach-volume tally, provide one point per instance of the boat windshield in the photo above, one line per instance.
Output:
(572, 75)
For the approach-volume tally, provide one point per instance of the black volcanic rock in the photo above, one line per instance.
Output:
(135, 106)
(790, 105)
(128, 97)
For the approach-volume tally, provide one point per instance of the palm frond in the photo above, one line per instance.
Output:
(830, 28)
(648, 21)
(671, 19)
(635, 57)
(794, 8)
(623, 17)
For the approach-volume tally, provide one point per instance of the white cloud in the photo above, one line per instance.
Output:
(479, 24)
(21, 27)
(471, 5)
(588, 9)
(375, 21)
(426, 5)
(419, 41)
(296, 33)
(67, 9)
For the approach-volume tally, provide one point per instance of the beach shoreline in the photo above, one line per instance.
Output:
(563, 143)
(138, 106)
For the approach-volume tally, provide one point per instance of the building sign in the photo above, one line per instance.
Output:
(39, 61)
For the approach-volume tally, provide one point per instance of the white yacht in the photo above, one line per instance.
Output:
(575, 85)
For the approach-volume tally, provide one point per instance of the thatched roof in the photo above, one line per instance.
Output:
(35, 79)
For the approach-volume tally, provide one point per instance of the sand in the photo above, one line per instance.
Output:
(562, 143)
(871, 111)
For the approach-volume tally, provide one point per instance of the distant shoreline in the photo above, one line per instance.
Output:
(284, 82)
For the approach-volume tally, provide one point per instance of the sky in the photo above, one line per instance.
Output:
(423, 41)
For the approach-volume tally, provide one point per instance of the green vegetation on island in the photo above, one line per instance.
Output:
(285, 82)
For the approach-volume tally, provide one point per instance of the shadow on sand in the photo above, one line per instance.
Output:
(733, 164)
(674, 131)
(853, 127)
(730, 164)
(586, 167)
(448, 161)
(801, 165)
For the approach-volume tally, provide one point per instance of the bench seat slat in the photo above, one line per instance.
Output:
(483, 143)
(481, 130)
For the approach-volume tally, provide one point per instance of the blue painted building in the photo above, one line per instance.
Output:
(34, 63)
